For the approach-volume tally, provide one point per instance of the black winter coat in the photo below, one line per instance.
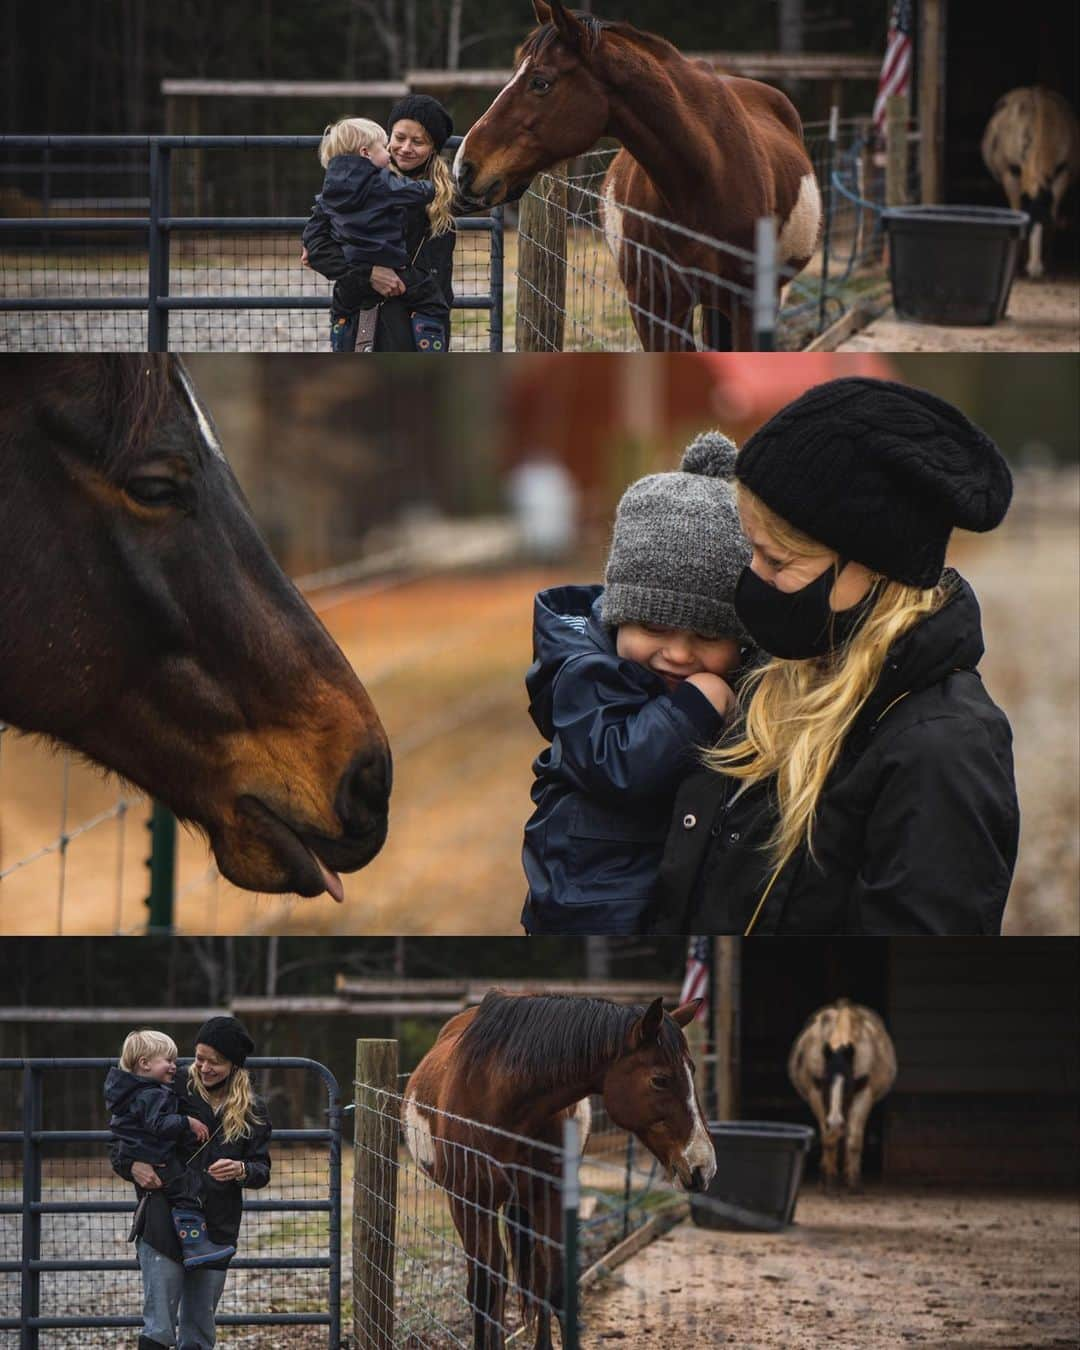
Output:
(145, 1119)
(620, 744)
(366, 208)
(222, 1201)
(917, 825)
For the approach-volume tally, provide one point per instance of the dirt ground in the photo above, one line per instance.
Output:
(1042, 316)
(957, 1270)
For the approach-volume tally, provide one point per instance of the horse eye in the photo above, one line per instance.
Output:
(539, 85)
(153, 491)
(661, 1083)
(1015, 169)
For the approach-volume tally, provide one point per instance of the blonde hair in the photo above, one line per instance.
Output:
(798, 713)
(237, 1111)
(441, 208)
(348, 136)
(145, 1045)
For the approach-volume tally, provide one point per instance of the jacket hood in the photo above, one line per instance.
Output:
(949, 639)
(566, 623)
(347, 178)
(121, 1085)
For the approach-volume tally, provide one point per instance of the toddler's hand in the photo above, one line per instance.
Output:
(198, 1129)
(304, 257)
(719, 693)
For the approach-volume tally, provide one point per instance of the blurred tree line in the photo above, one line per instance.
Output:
(95, 66)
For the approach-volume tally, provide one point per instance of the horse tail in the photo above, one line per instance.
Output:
(519, 1240)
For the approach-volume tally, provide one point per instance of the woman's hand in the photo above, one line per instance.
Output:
(226, 1169)
(198, 1129)
(719, 693)
(386, 281)
(145, 1176)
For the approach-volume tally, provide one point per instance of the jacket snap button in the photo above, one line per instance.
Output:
(734, 836)
(689, 821)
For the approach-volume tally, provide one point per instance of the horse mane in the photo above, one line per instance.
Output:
(547, 1038)
(133, 392)
(541, 39)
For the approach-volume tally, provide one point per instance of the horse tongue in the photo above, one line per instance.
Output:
(331, 881)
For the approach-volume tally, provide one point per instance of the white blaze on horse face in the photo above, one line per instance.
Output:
(699, 1152)
(206, 427)
(418, 1136)
(835, 1118)
(459, 158)
(799, 233)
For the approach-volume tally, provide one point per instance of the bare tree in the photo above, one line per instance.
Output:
(453, 36)
(384, 20)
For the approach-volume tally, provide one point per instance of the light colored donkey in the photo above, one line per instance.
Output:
(842, 1062)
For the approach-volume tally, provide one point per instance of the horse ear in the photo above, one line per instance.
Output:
(569, 26)
(646, 1030)
(542, 11)
(686, 1013)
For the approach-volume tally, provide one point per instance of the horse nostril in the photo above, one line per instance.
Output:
(697, 1179)
(465, 173)
(364, 789)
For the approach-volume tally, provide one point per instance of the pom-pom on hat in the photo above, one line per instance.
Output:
(429, 112)
(880, 472)
(228, 1036)
(677, 549)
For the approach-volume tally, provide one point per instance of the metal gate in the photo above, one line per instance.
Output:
(64, 1215)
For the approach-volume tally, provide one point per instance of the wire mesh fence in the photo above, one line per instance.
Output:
(591, 275)
(135, 243)
(69, 1277)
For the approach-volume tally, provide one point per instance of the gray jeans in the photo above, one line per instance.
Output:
(178, 1304)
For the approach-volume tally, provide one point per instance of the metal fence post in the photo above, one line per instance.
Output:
(31, 1218)
(157, 317)
(162, 865)
(765, 288)
(498, 255)
(830, 196)
(374, 1193)
(571, 1200)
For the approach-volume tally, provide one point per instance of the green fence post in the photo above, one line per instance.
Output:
(162, 865)
(571, 1193)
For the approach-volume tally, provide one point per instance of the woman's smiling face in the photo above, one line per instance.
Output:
(211, 1066)
(410, 145)
(788, 571)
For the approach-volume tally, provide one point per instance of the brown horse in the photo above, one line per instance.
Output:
(144, 623)
(522, 1064)
(712, 154)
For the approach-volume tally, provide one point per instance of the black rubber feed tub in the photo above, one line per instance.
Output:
(953, 264)
(759, 1165)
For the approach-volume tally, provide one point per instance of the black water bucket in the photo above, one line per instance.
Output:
(759, 1165)
(953, 264)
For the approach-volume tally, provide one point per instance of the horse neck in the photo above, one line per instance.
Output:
(659, 115)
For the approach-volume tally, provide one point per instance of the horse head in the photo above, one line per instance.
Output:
(555, 106)
(650, 1091)
(146, 625)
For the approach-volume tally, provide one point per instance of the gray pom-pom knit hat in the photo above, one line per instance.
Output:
(677, 549)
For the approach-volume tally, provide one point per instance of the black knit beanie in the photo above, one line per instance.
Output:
(880, 472)
(429, 112)
(228, 1036)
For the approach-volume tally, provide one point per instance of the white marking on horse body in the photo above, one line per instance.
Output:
(583, 1116)
(613, 218)
(835, 1119)
(799, 233)
(418, 1135)
(206, 427)
(459, 158)
(699, 1152)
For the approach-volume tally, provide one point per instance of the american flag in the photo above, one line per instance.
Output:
(895, 77)
(696, 979)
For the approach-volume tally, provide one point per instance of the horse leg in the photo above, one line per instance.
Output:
(478, 1228)
(545, 1207)
(829, 1140)
(661, 304)
(856, 1127)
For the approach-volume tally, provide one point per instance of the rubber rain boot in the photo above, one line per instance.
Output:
(195, 1246)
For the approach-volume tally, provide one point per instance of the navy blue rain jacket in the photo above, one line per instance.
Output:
(620, 746)
(367, 206)
(145, 1120)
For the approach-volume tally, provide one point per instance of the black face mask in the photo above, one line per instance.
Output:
(797, 625)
